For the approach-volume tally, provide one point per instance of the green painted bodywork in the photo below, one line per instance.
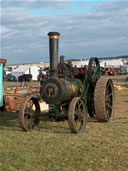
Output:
(75, 88)
(84, 90)
(78, 86)
(1, 85)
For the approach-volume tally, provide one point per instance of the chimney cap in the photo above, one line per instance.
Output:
(54, 35)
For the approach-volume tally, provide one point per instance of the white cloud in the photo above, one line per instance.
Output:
(102, 32)
(36, 3)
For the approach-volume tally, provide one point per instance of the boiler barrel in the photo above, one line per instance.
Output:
(56, 90)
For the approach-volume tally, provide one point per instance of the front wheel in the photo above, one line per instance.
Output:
(29, 113)
(77, 115)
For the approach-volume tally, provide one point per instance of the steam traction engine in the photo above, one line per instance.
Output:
(72, 93)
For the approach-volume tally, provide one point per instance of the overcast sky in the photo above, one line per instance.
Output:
(87, 28)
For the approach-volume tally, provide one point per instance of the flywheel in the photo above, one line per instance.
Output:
(94, 71)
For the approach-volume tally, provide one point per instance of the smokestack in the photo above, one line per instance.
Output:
(53, 50)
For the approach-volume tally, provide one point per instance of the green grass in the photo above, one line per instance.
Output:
(52, 147)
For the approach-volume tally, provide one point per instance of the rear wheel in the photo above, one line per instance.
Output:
(104, 100)
(77, 115)
(29, 113)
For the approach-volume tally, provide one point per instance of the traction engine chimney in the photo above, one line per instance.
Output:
(53, 50)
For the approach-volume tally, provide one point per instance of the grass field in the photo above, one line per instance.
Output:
(51, 146)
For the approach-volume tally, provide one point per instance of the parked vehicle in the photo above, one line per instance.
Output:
(11, 77)
(25, 77)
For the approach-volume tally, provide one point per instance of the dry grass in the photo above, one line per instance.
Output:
(51, 147)
(18, 84)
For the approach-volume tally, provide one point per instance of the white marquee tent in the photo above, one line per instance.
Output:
(22, 69)
(103, 63)
(111, 63)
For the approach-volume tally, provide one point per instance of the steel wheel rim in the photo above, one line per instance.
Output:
(104, 100)
(29, 114)
(77, 115)
(109, 94)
